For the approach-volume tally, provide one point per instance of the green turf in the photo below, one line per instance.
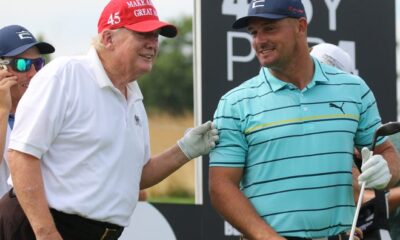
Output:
(177, 200)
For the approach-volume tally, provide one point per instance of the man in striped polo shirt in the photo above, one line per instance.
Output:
(283, 165)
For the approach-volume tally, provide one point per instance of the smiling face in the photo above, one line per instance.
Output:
(137, 51)
(275, 41)
(23, 78)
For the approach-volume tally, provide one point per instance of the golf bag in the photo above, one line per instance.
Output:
(373, 217)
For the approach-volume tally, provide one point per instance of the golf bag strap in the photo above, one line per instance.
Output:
(381, 210)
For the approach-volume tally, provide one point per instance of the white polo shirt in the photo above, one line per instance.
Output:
(91, 141)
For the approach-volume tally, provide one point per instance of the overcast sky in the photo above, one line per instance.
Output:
(70, 25)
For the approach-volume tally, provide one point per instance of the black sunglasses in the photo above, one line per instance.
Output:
(24, 64)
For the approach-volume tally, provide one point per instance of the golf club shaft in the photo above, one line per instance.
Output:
(359, 203)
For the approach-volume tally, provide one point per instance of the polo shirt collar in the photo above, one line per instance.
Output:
(104, 81)
(319, 74)
(134, 91)
(277, 84)
(274, 83)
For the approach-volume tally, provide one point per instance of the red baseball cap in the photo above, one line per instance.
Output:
(136, 15)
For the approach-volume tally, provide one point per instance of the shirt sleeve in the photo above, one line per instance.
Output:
(39, 114)
(370, 118)
(231, 150)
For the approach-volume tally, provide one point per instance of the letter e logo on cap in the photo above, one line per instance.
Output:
(258, 3)
(24, 35)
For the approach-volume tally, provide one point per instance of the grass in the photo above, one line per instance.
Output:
(165, 130)
(175, 200)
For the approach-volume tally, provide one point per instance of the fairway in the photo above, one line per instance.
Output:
(165, 130)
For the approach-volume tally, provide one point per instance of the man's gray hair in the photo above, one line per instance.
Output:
(96, 41)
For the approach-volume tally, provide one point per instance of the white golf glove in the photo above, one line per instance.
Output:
(199, 140)
(375, 170)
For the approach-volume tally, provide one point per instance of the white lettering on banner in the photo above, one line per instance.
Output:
(332, 6)
(348, 46)
(315, 40)
(231, 58)
(230, 231)
(258, 3)
(309, 9)
(144, 12)
(237, 8)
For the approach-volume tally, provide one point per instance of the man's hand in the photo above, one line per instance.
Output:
(358, 234)
(375, 170)
(199, 140)
(7, 80)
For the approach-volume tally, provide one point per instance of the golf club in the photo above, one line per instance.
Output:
(386, 129)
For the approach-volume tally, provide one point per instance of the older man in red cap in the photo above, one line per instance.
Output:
(78, 163)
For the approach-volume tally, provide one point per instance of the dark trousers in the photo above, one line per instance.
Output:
(13, 223)
(15, 226)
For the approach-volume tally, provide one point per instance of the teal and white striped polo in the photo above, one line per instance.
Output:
(295, 147)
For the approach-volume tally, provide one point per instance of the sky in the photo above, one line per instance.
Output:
(71, 25)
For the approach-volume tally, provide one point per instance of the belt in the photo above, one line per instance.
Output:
(110, 233)
(340, 236)
(96, 229)
(103, 230)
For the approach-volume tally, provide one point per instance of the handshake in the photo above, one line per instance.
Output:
(199, 140)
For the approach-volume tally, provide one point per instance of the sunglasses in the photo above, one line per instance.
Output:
(24, 64)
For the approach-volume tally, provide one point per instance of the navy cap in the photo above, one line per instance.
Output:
(271, 9)
(15, 40)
